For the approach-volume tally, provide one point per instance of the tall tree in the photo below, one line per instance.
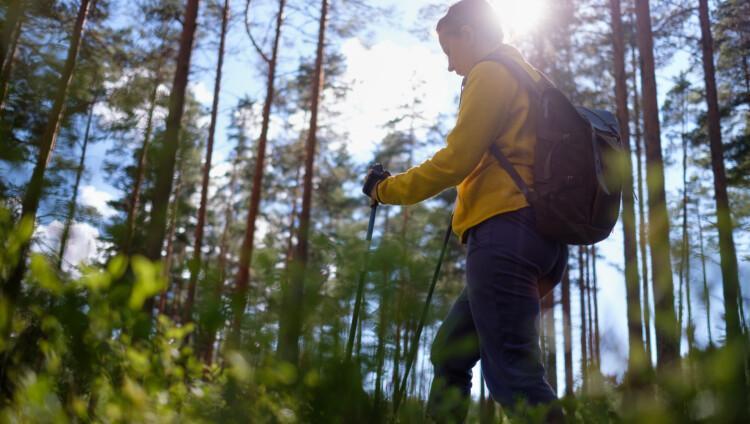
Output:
(589, 309)
(643, 224)
(729, 270)
(595, 289)
(11, 287)
(11, 32)
(135, 196)
(167, 158)
(727, 251)
(291, 323)
(196, 261)
(567, 334)
(550, 341)
(246, 252)
(706, 294)
(584, 332)
(658, 230)
(636, 356)
(213, 321)
(73, 205)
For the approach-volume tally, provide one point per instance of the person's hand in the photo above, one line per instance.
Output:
(375, 175)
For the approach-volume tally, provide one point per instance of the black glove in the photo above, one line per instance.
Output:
(375, 175)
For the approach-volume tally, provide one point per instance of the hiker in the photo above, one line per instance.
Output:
(495, 317)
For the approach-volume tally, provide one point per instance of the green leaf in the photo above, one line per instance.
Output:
(148, 281)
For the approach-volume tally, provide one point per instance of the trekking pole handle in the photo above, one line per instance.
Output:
(375, 175)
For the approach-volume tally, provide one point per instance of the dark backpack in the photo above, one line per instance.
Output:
(578, 164)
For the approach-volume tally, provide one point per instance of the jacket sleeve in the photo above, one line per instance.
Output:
(486, 102)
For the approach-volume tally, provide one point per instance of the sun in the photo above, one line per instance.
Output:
(519, 17)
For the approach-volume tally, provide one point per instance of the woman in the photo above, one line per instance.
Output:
(506, 259)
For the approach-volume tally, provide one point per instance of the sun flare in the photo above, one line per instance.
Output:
(520, 17)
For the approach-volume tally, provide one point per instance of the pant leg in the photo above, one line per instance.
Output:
(454, 353)
(506, 258)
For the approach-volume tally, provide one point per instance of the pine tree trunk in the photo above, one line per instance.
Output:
(168, 157)
(729, 272)
(550, 341)
(567, 334)
(595, 288)
(690, 324)
(140, 172)
(636, 353)
(290, 326)
(396, 380)
(8, 45)
(11, 287)
(666, 322)
(706, 294)
(223, 252)
(642, 238)
(582, 303)
(195, 264)
(589, 313)
(728, 255)
(293, 216)
(11, 26)
(383, 324)
(684, 256)
(74, 201)
(169, 249)
(246, 253)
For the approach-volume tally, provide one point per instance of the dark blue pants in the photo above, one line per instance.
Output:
(496, 318)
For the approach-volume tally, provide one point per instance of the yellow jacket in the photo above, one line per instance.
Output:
(494, 108)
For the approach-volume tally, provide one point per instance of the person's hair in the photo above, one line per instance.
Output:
(478, 14)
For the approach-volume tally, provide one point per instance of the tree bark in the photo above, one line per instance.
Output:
(11, 26)
(196, 261)
(738, 409)
(636, 351)
(595, 288)
(380, 349)
(729, 271)
(223, 251)
(685, 248)
(658, 237)
(550, 341)
(11, 287)
(567, 334)
(156, 229)
(706, 294)
(291, 327)
(582, 303)
(168, 157)
(72, 207)
(642, 238)
(589, 309)
(140, 171)
(9, 44)
(169, 248)
(246, 253)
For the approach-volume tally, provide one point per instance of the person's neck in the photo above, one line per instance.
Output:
(483, 51)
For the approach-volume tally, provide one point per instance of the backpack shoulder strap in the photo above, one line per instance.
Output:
(534, 89)
(528, 193)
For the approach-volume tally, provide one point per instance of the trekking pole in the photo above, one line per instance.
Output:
(401, 390)
(361, 285)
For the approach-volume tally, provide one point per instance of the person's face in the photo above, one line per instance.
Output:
(459, 47)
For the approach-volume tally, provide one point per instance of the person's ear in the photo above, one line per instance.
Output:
(467, 33)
